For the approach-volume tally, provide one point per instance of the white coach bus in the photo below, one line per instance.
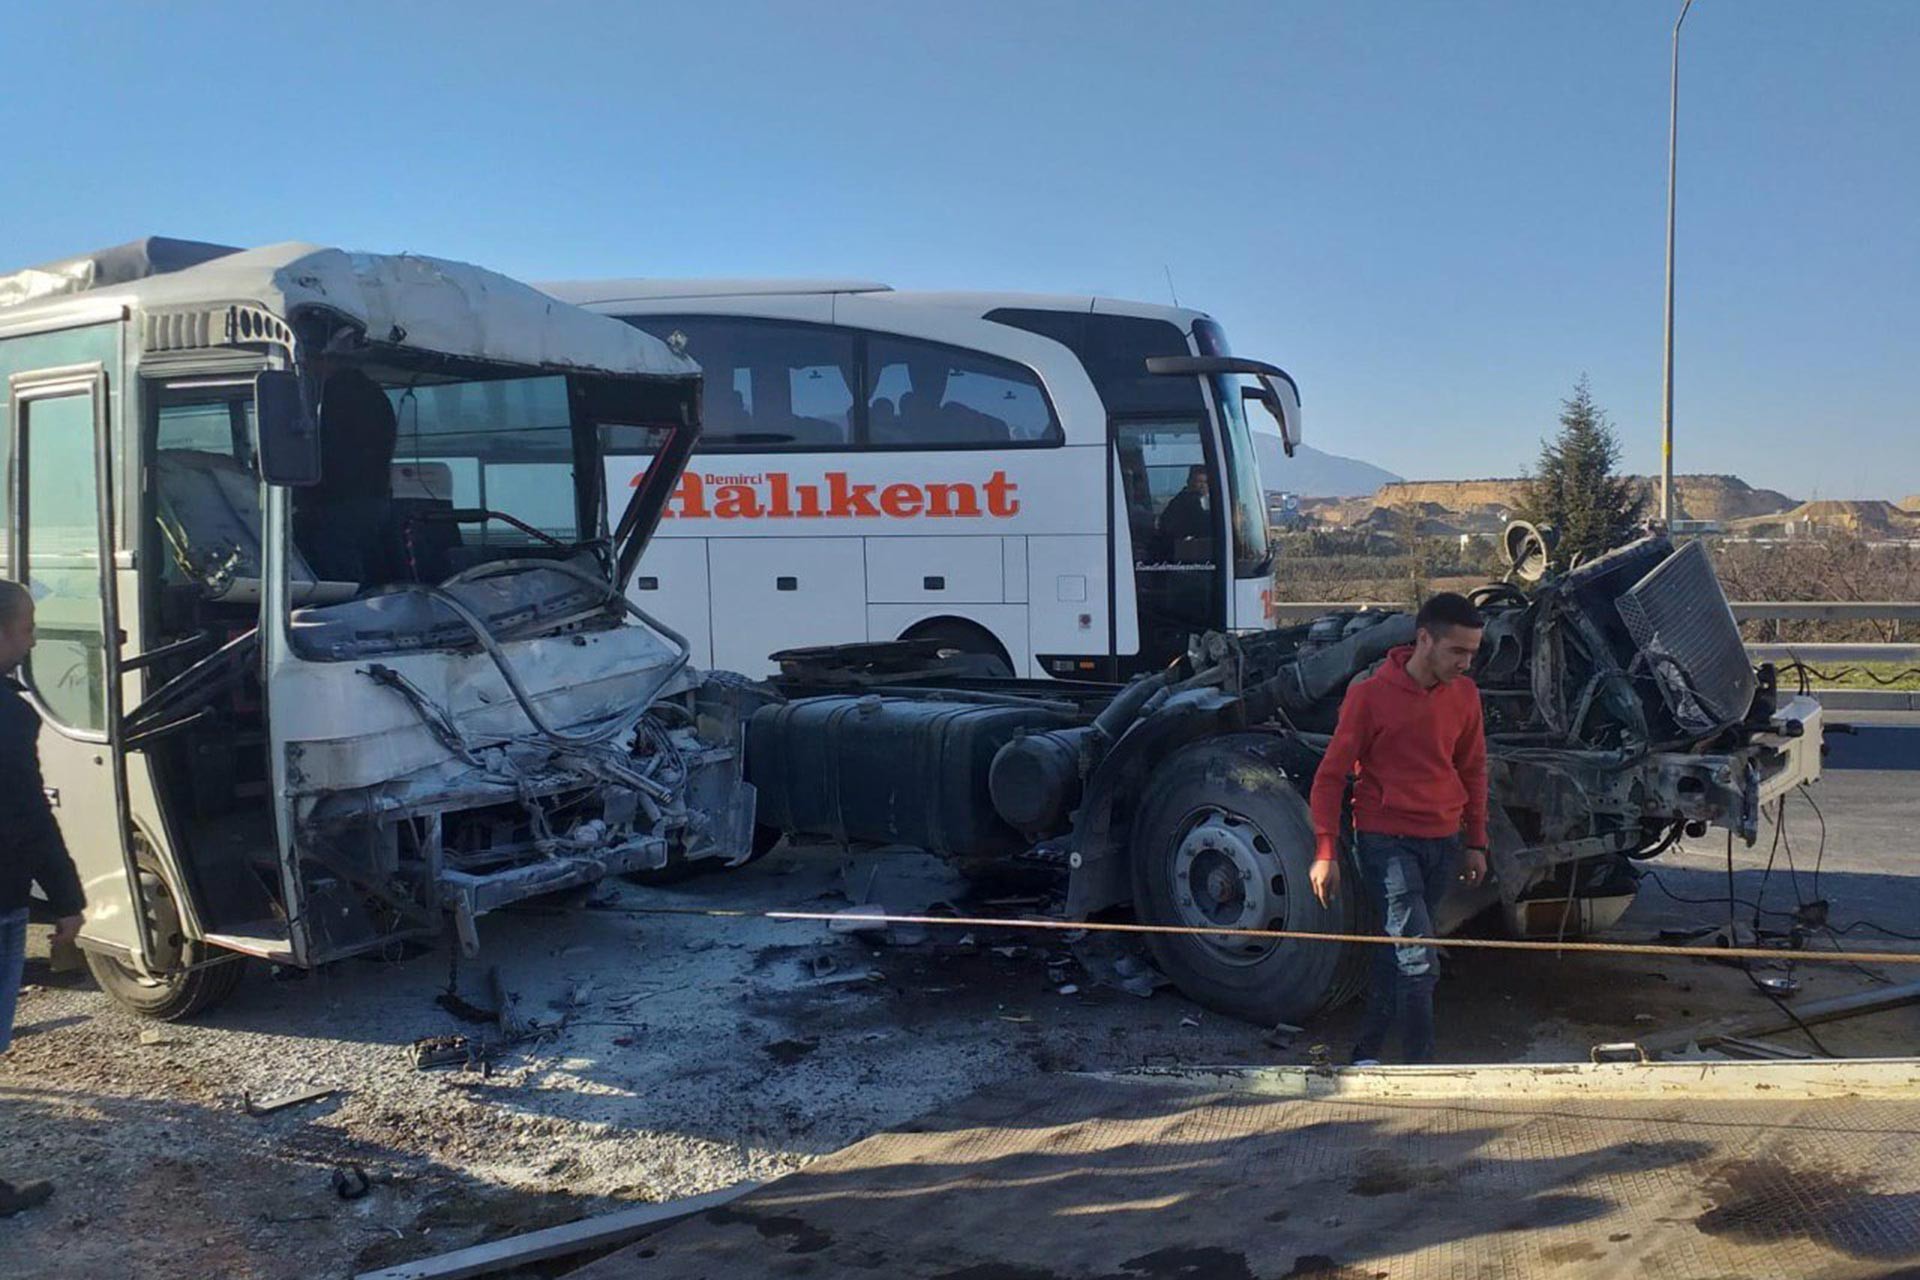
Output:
(1065, 483)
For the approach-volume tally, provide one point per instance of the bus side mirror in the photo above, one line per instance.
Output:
(1277, 397)
(289, 433)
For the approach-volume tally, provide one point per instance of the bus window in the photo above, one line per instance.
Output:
(60, 560)
(769, 385)
(206, 490)
(218, 427)
(923, 395)
(1175, 531)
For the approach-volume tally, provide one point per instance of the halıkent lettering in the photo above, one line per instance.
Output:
(777, 496)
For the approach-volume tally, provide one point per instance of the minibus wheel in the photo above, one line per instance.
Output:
(190, 977)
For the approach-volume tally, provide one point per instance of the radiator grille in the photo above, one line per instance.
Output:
(1679, 618)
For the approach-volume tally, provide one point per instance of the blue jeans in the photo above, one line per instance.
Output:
(13, 964)
(1404, 877)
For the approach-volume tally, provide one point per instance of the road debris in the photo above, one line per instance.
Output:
(506, 1007)
(441, 1051)
(856, 920)
(597, 1232)
(1280, 1035)
(350, 1182)
(1119, 963)
(267, 1106)
(1706, 1035)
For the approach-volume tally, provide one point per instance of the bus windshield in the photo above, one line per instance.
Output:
(1252, 556)
(504, 446)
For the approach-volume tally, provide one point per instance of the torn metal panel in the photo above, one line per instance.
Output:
(345, 730)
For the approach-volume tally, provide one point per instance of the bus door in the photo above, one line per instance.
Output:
(62, 548)
(1173, 517)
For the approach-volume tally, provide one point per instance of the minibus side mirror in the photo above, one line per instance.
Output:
(288, 430)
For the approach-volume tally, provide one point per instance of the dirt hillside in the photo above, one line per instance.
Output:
(1869, 519)
(1480, 506)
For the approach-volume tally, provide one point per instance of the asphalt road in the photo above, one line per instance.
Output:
(1874, 741)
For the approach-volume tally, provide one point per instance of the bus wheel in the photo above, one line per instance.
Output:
(1223, 841)
(192, 977)
(958, 636)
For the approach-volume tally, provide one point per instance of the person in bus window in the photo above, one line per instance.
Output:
(1188, 514)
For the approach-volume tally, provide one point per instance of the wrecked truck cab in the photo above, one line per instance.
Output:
(336, 654)
(1621, 713)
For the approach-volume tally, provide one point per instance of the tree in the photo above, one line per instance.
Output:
(1575, 488)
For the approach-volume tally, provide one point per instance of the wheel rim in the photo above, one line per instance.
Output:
(163, 924)
(1227, 875)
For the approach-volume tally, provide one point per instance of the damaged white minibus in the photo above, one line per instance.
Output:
(335, 649)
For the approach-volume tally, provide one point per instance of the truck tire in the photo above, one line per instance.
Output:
(1224, 839)
(195, 977)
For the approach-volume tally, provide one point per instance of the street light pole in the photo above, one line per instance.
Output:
(1673, 139)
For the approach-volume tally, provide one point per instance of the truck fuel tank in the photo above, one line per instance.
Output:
(889, 770)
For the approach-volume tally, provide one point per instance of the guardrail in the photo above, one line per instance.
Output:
(1815, 654)
(1894, 611)
(1827, 655)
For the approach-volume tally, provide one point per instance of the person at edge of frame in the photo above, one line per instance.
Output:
(31, 849)
(1412, 739)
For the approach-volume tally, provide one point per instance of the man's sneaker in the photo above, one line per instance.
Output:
(27, 1195)
(1366, 1062)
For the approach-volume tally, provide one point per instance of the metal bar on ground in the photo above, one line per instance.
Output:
(557, 1242)
(1773, 1021)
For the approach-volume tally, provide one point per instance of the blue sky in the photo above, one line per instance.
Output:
(1437, 216)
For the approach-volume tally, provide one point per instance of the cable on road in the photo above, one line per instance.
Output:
(1279, 935)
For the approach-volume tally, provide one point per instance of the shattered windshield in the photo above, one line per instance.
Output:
(422, 480)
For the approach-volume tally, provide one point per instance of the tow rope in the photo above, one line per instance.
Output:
(1292, 935)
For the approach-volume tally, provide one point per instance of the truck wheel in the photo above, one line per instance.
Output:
(1224, 840)
(184, 988)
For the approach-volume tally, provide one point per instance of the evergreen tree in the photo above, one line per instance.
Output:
(1574, 487)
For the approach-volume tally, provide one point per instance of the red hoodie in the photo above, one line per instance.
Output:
(1422, 757)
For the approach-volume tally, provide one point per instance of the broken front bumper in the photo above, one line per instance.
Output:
(1556, 806)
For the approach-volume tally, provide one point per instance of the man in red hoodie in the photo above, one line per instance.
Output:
(1412, 733)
